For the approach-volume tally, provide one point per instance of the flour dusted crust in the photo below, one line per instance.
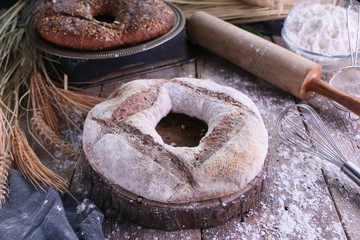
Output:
(72, 23)
(121, 143)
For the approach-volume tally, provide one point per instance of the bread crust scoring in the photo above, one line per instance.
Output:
(121, 143)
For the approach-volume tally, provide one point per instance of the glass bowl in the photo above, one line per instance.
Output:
(317, 30)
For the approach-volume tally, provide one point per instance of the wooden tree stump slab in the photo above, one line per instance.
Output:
(170, 216)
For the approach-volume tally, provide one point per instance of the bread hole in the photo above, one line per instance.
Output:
(180, 130)
(105, 18)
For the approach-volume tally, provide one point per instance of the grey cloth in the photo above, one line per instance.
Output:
(31, 214)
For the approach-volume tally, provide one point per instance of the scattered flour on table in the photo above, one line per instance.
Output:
(321, 28)
(295, 205)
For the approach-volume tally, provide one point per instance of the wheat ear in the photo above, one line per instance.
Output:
(5, 164)
(41, 101)
(5, 161)
(30, 165)
(47, 136)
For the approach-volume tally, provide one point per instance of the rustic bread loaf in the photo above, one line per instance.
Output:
(103, 24)
(122, 145)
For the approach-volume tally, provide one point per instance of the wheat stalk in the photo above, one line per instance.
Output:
(5, 160)
(5, 164)
(30, 165)
(16, 53)
(19, 60)
(47, 136)
(3, 133)
(237, 11)
(44, 119)
(41, 102)
(70, 100)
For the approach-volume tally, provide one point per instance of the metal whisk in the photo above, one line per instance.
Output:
(302, 127)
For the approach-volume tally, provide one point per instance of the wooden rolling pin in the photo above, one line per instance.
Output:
(273, 63)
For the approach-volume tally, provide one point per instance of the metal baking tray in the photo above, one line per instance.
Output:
(94, 67)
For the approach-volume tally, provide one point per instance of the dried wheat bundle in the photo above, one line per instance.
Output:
(13, 61)
(5, 160)
(47, 136)
(41, 103)
(70, 100)
(30, 165)
(19, 59)
(238, 11)
(11, 46)
(44, 121)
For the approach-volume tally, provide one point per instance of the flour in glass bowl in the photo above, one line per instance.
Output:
(321, 28)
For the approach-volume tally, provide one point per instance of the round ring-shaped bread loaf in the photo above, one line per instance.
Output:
(74, 23)
(121, 143)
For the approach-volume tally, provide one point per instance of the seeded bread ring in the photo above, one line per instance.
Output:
(73, 23)
(121, 143)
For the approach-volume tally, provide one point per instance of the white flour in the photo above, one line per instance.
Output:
(321, 28)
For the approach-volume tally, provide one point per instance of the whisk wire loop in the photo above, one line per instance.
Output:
(302, 127)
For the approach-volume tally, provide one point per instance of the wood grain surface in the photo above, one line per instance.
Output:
(305, 197)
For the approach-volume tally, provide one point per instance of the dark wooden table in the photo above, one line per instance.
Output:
(305, 197)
